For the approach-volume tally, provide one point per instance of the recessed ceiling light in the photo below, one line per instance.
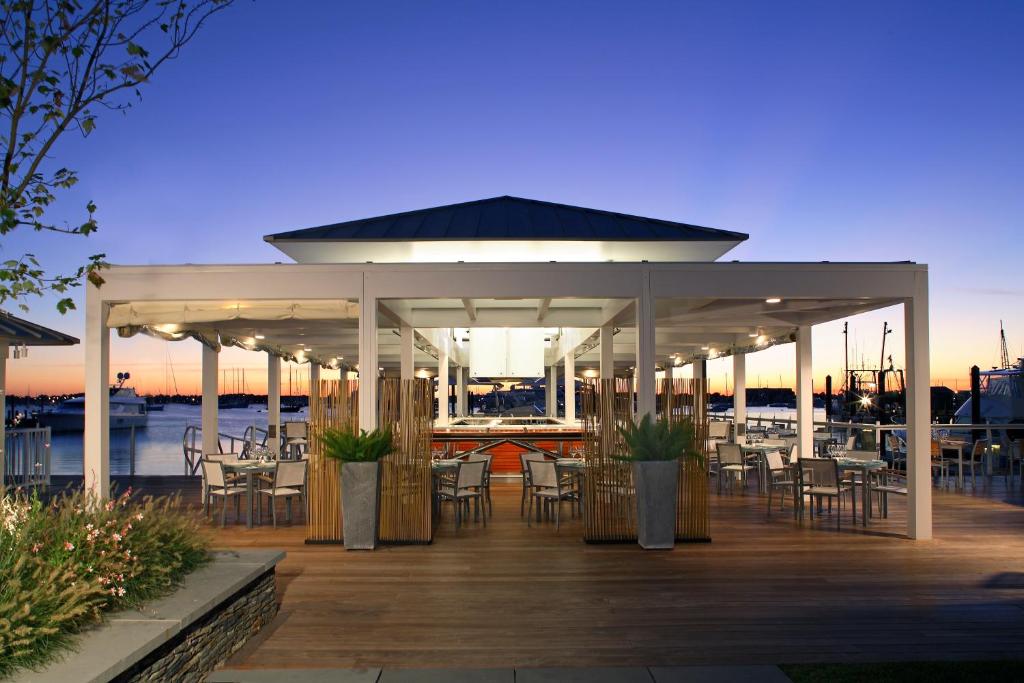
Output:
(307, 349)
(705, 348)
(752, 334)
(773, 300)
(259, 336)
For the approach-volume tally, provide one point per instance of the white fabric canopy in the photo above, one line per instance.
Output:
(184, 313)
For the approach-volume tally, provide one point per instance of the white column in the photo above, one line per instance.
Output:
(406, 353)
(551, 396)
(209, 414)
(442, 385)
(367, 360)
(700, 369)
(314, 379)
(4, 347)
(804, 393)
(919, 485)
(739, 392)
(645, 365)
(607, 347)
(274, 403)
(569, 391)
(465, 391)
(96, 440)
(460, 391)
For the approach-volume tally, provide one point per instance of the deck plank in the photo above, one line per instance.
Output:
(764, 591)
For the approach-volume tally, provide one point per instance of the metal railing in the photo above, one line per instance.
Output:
(192, 445)
(27, 457)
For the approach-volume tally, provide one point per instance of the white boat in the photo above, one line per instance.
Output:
(1002, 396)
(127, 409)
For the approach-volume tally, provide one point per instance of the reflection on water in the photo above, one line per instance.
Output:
(158, 446)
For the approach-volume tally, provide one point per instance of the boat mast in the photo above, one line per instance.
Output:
(1004, 354)
(880, 385)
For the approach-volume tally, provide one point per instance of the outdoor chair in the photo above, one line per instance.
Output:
(940, 464)
(296, 439)
(898, 450)
(547, 489)
(215, 484)
(819, 478)
(780, 476)
(488, 504)
(885, 482)
(975, 458)
(731, 462)
(289, 480)
(524, 469)
(467, 485)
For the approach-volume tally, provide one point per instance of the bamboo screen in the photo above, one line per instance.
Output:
(686, 400)
(609, 499)
(407, 407)
(333, 404)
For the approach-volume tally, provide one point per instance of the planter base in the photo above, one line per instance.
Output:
(657, 488)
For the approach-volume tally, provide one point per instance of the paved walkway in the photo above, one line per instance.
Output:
(655, 674)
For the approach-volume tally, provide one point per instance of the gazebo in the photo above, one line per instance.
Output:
(383, 296)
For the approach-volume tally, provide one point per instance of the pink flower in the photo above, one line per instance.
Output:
(109, 506)
(138, 517)
(116, 536)
(36, 547)
(68, 545)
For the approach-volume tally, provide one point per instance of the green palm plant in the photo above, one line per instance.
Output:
(653, 441)
(365, 446)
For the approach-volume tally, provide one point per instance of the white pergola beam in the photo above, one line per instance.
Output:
(210, 408)
(542, 309)
(470, 309)
(804, 392)
(96, 439)
(919, 485)
(274, 403)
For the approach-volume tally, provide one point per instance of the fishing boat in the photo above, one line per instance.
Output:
(127, 409)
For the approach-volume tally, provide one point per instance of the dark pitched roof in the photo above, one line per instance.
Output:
(508, 218)
(18, 331)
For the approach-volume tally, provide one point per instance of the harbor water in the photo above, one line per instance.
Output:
(158, 445)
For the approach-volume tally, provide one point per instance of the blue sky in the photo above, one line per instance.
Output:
(827, 131)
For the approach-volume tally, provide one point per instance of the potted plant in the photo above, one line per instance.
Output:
(655, 450)
(360, 456)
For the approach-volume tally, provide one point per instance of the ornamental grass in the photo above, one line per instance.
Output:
(66, 562)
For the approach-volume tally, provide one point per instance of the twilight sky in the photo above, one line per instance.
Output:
(827, 131)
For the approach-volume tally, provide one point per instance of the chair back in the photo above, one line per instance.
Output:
(290, 473)
(213, 471)
(543, 473)
(471, 473)
(730, 454)
(820, 471)
(527, 457)
(979, 449)
(295, 430)
(851, 442)
(719, 429)
(774, 459)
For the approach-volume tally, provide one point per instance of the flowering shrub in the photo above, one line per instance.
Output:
(63, 563)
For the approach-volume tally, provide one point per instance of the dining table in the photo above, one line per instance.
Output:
(865, 467)
(250, 469)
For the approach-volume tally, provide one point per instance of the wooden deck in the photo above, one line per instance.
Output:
(764, 591)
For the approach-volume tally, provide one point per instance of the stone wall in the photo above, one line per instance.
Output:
(209, 642)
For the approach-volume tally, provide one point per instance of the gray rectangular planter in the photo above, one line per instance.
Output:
(360, 504)
(657, 490)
